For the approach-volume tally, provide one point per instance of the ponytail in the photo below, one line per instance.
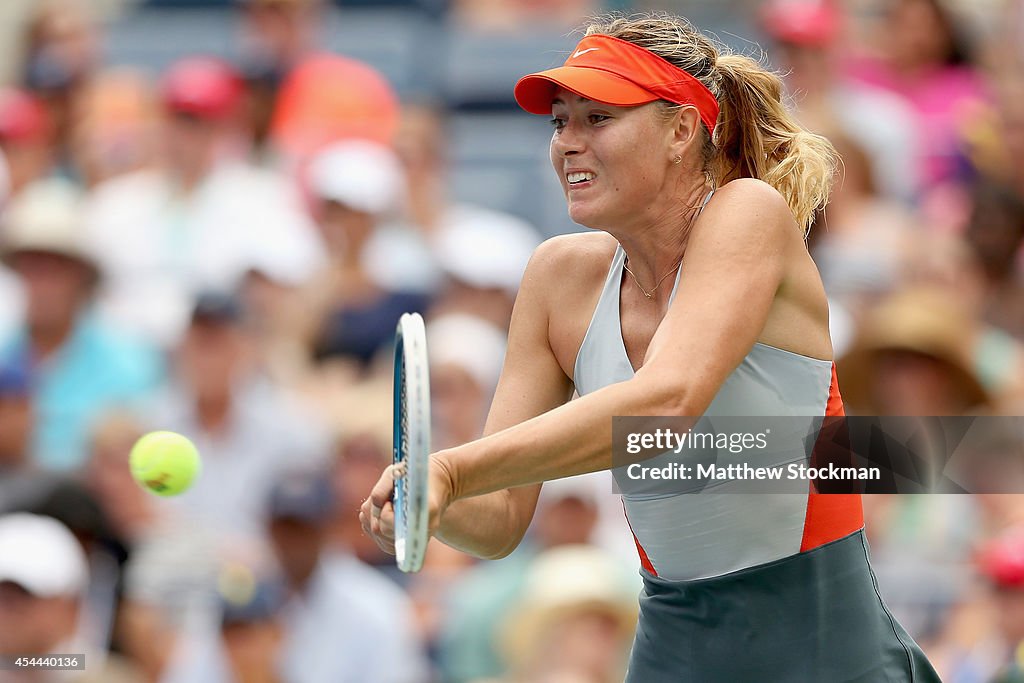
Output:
(757, 137)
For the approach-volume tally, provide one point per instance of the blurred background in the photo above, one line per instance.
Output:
(213, 212)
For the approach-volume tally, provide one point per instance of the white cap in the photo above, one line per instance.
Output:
(41, 555)
(360, 174)
(585, 487)
(486, 249)
(468, 342)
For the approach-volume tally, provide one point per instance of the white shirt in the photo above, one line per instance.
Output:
(353, 625)
(160, 248)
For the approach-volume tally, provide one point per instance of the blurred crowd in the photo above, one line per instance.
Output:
(222, 249)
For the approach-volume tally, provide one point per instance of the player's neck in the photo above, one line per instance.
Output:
(656, 246)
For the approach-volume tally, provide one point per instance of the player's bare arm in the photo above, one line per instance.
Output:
(717, 316)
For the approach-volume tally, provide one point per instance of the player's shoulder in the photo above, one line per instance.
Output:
(751, 193)
(751, 208)
(572, 256)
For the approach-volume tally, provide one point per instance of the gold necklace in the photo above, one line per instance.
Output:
(650, 294)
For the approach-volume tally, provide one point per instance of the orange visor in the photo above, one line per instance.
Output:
(616, 72)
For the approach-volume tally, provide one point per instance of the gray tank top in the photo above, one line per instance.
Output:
(690, 536)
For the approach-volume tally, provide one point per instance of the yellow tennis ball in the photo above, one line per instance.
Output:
(166, 463)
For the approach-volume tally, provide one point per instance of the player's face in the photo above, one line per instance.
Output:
(612, 161)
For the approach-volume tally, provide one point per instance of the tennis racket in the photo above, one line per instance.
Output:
(411, 442)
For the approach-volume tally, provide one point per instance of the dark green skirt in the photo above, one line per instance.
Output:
(815, 617)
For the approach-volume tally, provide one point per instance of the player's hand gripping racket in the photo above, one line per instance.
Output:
(411, 442)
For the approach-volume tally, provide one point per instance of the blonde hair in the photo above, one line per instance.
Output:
(756, 135)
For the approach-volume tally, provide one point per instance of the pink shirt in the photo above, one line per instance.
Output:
(944, 101)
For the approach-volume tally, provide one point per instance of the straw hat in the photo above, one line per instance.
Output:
(45, 217)
(565, 581)
(919, 320)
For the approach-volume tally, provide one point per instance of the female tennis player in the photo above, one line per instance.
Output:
(693, 295)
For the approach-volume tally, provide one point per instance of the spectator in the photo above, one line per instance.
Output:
(276, 36)
(807, 36)
(1001, 563)
(61, 46)
(239, 640)
(567, 516)
(484, 260)
(43, 580)
(483, 252)
(115, 126)
(466, 355)
(995, 146)
(920, 548)
(575, 621)
(923, 56)
(15, 418)
(220, 400)
(38, 603)
(519, 15)
(422, 144)
(328, 98)
(914, 355)
(343, 621)
(72, 504)
(61, 54)
(251, 627)
(26, 139)
(201, 220)
(994, 234)
(43, 573)
(862, 242)
(1007, 50)
(79, 366)
(362, 449)
(378, 269)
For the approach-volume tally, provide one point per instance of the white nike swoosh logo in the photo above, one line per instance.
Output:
(583, 52)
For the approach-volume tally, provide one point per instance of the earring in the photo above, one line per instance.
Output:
(678, 160)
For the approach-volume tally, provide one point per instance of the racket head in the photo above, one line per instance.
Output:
(411, 444)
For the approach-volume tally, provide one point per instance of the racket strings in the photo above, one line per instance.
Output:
(403, 449)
